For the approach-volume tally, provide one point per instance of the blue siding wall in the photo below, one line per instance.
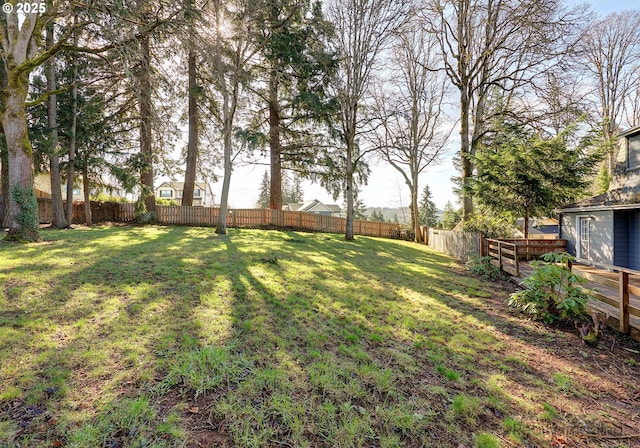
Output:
(627, 239)
(621, 239)
(634, 240)
(601, 242)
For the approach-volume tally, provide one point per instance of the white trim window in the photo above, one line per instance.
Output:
(166, 193)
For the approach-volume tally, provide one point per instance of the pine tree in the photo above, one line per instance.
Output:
(450, 217)
(359, 210)
(603, 180)
(263, 198)
(529, 174)
(427, 209)
(292, 38)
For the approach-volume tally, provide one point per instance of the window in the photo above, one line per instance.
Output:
(583, 246)
(166, 193)
(179, 194)
(196, 193)
(633, 151)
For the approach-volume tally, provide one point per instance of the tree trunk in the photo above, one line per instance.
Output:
(226, 182)
(144, 99)
(87, 200)
(14, 123)
(59, 219)
(467, 167)
(348, 234)
(525, 230)
(4, 187)
(275, 196)
(71, 169)
(192, 144)
(415, 213)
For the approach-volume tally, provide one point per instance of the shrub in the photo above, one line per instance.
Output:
(104, 197)
(552, 291)
(160, 201)
(482, 266)
(491, 225)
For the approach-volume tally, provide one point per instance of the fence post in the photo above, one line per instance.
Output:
(500, 255)
(515, 256)
(623, 293)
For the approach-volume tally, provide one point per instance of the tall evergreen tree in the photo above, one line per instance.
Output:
(427, 210)
(529, 174)
(450, 217)
(263, 196)
(292, 36)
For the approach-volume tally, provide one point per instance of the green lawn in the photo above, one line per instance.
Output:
(175, 336)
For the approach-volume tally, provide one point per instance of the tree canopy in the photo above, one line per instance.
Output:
(523, 172)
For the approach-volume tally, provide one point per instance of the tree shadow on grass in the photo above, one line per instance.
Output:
(322, 342)
(99, 328)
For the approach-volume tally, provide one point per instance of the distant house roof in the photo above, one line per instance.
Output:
(180, 185)
(629, 131)
(540, 225)
(313, 206)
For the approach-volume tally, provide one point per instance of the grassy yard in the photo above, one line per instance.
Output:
(174, 336)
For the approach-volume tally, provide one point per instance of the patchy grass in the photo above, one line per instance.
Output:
(170, 336)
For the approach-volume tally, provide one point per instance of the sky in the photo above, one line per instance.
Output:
(385, 187)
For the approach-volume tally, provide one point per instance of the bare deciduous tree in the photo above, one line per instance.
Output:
(412, 133)
(491, 46)
(229, 69)
(21, 57)
(363, 30)
(611, 47)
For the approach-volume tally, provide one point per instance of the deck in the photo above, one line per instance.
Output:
(604, 286)
(615, 290)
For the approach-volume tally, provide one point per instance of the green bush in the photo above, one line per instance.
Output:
(104, 197)
(167, 202)
(552, 291)
(482, 266)
(491, 225)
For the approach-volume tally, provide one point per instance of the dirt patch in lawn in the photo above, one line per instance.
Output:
(604, 384)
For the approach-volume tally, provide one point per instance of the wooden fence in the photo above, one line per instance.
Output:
(508, 253)
(208, 216)
(461, 245)
(260, 218)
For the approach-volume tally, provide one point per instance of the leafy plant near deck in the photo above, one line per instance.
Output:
(552, 290)
(482, 266)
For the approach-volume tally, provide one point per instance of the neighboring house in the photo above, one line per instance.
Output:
(540, 228)
(605, 229)
(42, 186)
(314, 206)
(202, 193)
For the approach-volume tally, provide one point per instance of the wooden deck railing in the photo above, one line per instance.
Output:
(615, 294)
(617, 291)
(507, 253)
